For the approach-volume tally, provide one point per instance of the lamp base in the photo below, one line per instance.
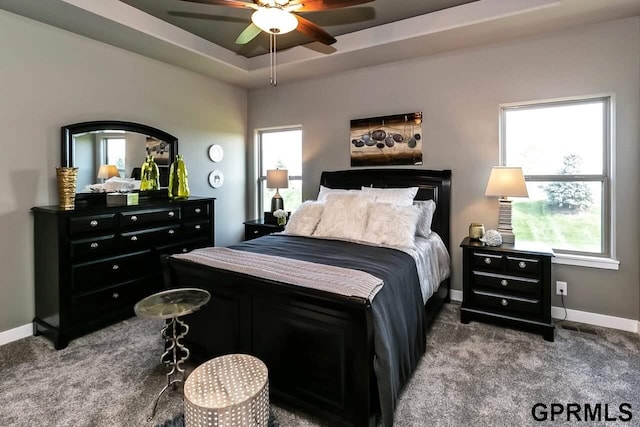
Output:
(504, 221)
(277, 202)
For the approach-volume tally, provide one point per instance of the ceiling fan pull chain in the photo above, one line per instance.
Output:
(272, 59)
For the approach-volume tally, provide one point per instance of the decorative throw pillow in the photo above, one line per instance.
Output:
(343, 217)
(304, 220)
(427, 209)
(391, 225)
(326, 191)
(396, 196)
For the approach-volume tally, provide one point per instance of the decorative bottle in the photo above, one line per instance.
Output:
(150, 175)
(178, 179)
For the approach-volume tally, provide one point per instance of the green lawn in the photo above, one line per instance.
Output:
(535, 221)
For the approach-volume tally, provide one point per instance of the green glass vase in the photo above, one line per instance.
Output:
(178, 180)
(150, 175)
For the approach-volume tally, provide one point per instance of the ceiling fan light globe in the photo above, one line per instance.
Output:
(274, 21)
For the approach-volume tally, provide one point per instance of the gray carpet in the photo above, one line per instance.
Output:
(471, 375)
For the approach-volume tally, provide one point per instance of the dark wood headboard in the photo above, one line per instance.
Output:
(432, 184)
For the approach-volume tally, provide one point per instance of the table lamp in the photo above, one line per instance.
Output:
(107, 171)
(277, 178)
(506, 182)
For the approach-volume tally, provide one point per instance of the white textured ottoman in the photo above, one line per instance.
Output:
(231, 390)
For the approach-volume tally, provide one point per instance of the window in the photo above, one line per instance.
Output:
(116, 151)
(564, 150)
(280, 149)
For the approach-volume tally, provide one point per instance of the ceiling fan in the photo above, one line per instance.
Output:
(279, 16)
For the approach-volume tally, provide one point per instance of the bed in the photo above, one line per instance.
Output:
(323, 350)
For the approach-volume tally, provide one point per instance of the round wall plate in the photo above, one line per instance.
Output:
(216, 153)
(216, 179)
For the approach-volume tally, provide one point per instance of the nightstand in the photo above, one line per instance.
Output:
(508, 284)
(257, 228)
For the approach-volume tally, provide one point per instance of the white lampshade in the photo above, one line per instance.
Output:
(273, 20)
(277, 178)
(107, 171)
(506, 182)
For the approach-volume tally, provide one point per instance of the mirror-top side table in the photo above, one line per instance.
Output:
(170, 305)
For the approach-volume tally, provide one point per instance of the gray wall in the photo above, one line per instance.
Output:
(51, 78)
(459, 94)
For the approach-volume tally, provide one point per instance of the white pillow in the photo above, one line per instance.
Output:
(343, 217)
(304, 220)
(396, 196)
(391, 225)
(427, 208)
(326, 191)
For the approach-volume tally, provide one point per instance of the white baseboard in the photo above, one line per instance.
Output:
(16, 334)
(455, 295)
(594, 319)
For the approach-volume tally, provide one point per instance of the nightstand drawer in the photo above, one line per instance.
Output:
(520, 265)
(487, 261)
(252, 231)
(505, 283)
(509, 305)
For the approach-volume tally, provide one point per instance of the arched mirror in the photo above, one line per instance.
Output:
(90, 145)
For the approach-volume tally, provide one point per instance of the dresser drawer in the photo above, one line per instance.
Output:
(93, 305)
(520, 285)
(183, 247)
(95, 246)
(196, 228)
(196, 210)
(156, 216)
(92, 223)
(528, 266)
(487, 261)
(506, 304)
(142, 239)
(98, 274)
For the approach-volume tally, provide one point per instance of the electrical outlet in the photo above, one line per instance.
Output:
(561, 288)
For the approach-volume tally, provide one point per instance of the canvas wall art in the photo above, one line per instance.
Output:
(387, 140)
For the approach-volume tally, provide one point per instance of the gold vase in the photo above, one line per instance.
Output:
(67, 178)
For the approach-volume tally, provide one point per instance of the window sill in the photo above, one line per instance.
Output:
(587, 261)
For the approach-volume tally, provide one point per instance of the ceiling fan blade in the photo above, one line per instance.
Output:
(312, 30)
(248, 34)
(229, 3)
(314, 5)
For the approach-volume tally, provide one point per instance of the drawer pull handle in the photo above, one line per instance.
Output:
(504, 302)
(94, 245)
(115, 267)
(93, 223)
(256, 231)
(504, 282)
(134, 218)
(171, 214)
(134, 238)
(115, 295)
(185, 250)
(522, 264)
(172, 231)
(198, 210)
(487, 260)
(198, 227)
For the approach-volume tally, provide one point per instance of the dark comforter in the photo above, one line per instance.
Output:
(397, 310)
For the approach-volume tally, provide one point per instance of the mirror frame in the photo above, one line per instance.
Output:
(68, 152)
(68, 148)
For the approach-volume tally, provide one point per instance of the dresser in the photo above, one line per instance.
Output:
(92, 264)
(508, 284)
(258, 228)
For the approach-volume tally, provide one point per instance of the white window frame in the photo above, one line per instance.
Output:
(262, 178)
(605, 259)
